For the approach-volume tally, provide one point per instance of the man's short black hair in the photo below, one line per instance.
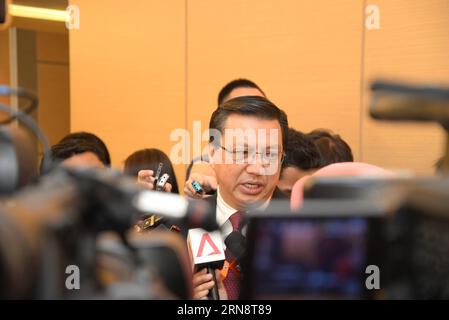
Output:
(237, 83)
(73, 144)
(258, 107)
(87, 138)
(332, 147)
(301, 152)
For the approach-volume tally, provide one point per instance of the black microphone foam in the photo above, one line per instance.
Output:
(236, 243)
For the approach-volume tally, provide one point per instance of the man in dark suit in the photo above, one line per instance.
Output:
(248, 136)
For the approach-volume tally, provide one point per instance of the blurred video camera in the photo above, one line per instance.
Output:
(392, 101)
(69, 234)
(355, 237)
(388, 241)
(84, 218)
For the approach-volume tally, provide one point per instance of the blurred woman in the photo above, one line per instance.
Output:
(143, 164)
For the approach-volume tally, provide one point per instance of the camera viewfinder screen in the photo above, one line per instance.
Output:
(320, 258)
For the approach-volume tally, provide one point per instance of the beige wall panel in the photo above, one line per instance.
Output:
(128, 68)
(52, 47)
(52, 51)
(412, 44)
(54, 109)
(127, 74)
(306, 56)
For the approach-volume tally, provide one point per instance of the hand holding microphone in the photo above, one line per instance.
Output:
(203, 283)
(207, 255)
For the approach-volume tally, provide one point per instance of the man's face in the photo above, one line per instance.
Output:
(83, 160)
(243, 92)
(243, 183)
(289, 176)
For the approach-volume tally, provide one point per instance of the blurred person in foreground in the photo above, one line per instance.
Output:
(78, 149)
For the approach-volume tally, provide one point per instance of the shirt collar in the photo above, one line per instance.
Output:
(224, 210)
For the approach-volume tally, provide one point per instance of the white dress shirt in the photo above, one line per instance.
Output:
(224, 212)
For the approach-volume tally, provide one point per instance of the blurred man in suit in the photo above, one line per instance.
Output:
(302, 157)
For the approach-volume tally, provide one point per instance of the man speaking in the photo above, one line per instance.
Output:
(248, 136)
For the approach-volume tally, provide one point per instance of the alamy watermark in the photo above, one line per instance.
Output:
(373, 279)
(73, 17)
(372, 20)
(261, 147)
(72, 281)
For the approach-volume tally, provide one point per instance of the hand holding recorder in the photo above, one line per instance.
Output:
(147, 179)
(200, 186)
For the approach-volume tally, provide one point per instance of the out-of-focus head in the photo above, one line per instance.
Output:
(86, 159)
(441, 167)
(149, 159)
(79, 149)
(100, 150)
(331, 146)
(248, 137)
(302, 158)
(355, 169)
(239, 88)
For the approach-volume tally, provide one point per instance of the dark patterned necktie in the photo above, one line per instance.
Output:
(232, 281)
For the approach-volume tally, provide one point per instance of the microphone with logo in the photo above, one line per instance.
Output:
(206, 251)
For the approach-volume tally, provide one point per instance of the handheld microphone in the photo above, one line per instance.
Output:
(236, 244)
(404, 102)
(206, 251)
(194, 213)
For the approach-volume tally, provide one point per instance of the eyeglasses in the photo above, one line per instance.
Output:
(248, 155)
